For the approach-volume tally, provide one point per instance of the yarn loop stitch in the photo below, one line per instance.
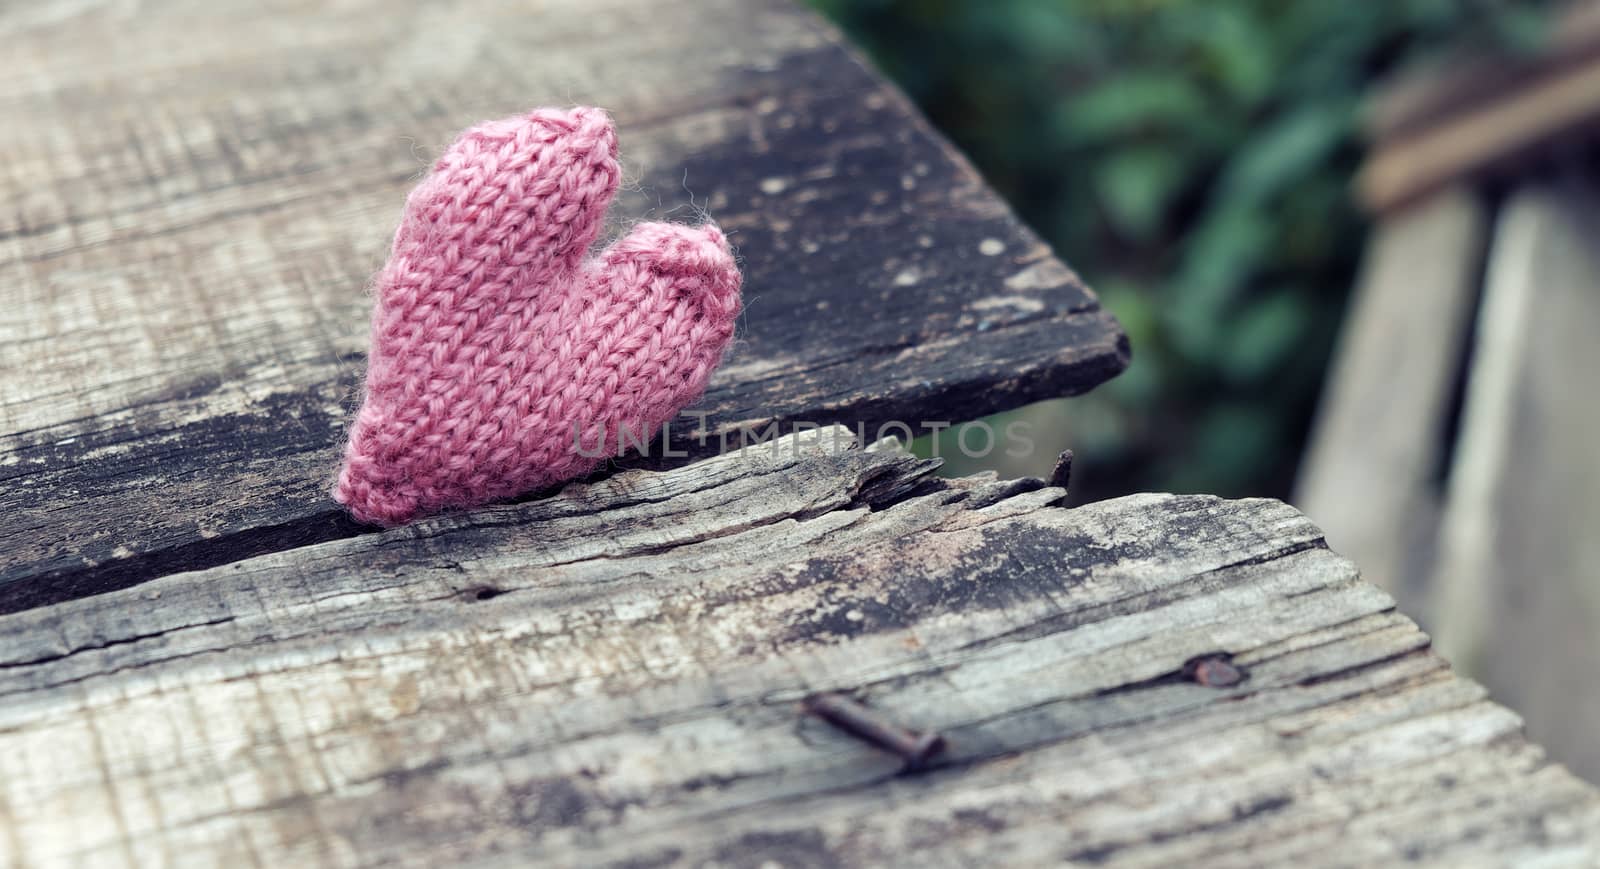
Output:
(504, 357)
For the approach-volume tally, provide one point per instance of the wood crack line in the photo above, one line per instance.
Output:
(1295, 548)
(120, 641)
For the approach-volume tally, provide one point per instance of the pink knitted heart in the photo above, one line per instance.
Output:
(498, 349)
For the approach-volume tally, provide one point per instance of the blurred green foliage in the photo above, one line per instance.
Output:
(1192, 160)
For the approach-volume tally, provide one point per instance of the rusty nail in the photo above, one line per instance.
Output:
(1215, 671)
(1062, 473)
(914, 749)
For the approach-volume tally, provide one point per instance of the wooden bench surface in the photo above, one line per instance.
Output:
(613, 674)
(195, 196)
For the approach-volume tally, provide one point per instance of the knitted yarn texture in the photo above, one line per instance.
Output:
(504, 356)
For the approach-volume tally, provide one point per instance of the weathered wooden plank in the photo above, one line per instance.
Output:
(1370, 474)
(613, 675)
(1515, 584)
(1452, 85)
(1477, 112)
(196, 193)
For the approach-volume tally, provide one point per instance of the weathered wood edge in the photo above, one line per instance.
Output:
(612, 675)
(884, 281)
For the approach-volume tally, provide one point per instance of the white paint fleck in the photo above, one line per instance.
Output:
(924, 241)
(122, 552)
(1019, 303)
(906, 278)
(1041, 275)
(991, 247)
(774, 186)
(854, 615)
(767, 105)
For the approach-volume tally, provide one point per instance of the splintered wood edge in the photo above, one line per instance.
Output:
(615, 675)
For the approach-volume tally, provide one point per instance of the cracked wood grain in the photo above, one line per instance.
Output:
(196, 194)
(613, 676)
